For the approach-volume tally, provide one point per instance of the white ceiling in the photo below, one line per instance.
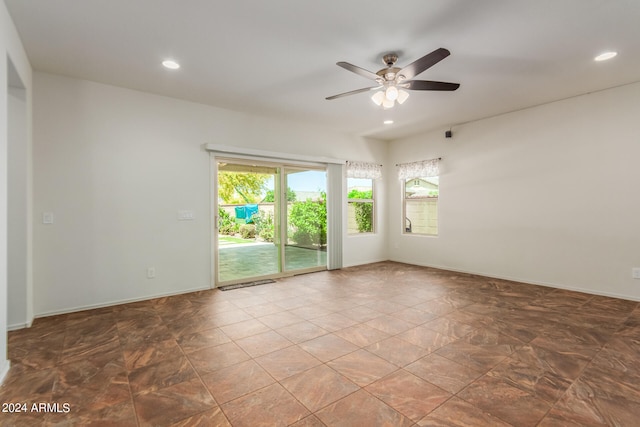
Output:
(277, 58)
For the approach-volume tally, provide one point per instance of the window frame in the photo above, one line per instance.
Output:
(373, 208)
(404, 207)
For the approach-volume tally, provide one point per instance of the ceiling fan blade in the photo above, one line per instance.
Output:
(429, 85)
(353, 92)
(419, 65)
(360, 71)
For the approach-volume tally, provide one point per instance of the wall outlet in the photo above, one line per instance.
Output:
(47, 217)
(151, 273)
(635, 272)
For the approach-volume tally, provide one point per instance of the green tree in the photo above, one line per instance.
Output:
(241, 187)
(364, 217)
(309, 222)
(270, 197)
(357, 194)
(363, 210)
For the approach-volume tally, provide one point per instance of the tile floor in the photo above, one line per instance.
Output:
(386, 344)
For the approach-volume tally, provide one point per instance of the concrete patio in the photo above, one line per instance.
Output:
(247, 260)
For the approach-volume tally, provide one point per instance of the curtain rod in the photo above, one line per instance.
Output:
(398, 164)
(356, 161)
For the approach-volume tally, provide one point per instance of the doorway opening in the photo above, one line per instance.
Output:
(19, 209)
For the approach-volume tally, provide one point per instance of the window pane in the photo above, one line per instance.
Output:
(360, 217)
(421, 205)
(359, 188)
(306, 244)
(360, 205)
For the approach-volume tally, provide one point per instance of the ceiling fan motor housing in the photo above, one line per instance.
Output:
(390, 59)
(388, 74)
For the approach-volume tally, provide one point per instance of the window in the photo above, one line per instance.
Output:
(360, 205)
(421, 205)
(420, 189)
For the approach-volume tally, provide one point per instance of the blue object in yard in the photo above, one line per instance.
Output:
(241, 212)
(249, 211)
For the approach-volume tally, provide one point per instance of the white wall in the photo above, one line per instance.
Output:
(12, 56)
(547, 195)
(115, 166)
(370, 247)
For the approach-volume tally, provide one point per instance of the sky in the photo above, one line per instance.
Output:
(305, 181)
(308, 181)
(317, 181)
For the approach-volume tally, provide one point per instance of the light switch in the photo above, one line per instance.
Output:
(47, 217)
(185, 216)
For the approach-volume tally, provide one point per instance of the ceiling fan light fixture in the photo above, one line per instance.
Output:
(378, 98)
(391, 93)
(388, 97)
(403, 95)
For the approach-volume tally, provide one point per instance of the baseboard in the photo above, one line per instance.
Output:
(16, 326)
(365, 262)
(21, 325)
(525, 281)
(118, 302)
(372, 261)
(4, 370)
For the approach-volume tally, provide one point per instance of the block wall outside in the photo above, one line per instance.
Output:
(423, 214)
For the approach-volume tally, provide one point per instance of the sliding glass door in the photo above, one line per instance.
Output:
(248, 221)
(306, 219)
(271, 220)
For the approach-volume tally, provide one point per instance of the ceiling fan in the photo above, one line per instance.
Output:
(391, 81)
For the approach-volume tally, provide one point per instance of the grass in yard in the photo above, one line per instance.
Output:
(232, 239)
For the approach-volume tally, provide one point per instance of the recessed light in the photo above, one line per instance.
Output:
(604, 56)
(388, 122)
(171, 64)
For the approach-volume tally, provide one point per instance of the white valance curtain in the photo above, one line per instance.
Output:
(363, 170)
(423, 168)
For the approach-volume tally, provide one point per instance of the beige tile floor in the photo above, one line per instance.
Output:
(385, 344)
